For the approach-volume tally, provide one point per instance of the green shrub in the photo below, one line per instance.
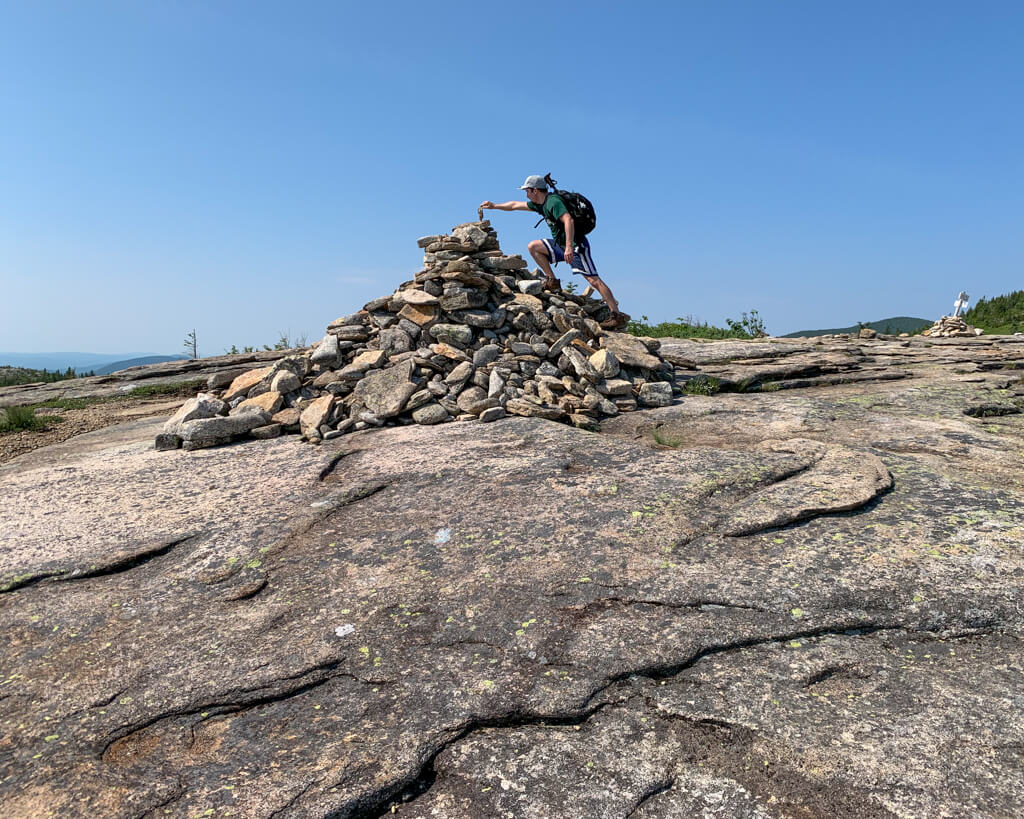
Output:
(702, 385)
(13, 419)
(1003, 315)
(750, 325)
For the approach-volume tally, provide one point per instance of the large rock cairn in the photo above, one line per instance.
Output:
(471, 337)
(952, 327)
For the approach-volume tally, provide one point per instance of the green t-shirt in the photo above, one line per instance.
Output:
(553, 209)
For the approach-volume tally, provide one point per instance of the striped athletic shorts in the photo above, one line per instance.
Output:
(582, 262)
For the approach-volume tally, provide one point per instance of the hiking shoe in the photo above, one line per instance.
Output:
(615, 321)
(553, 285)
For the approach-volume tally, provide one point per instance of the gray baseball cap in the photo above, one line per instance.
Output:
(534, 181)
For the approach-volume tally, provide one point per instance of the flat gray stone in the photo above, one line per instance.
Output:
(470, 398)
(448, 332)
(492, 414)
(464, 300)
(656, 394)
(504, 263)
(316, 414)
(615, 386)
(383, 319)
(481, 319)
(167, 440)
(326, 353)
(605, 362)
(430, 414)
(203, 405)
(285, 382)
(486, 355)
(458, 376)
(563, 341)
(630, 351)
(582, 365)
(206, 432)
(385, 392)
(496, 382)
(395, 341)
(520, 406)
(419, 399)
(414, 296)
(351, 332)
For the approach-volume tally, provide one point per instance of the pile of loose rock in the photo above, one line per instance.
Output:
(952, 327)
(471, 337)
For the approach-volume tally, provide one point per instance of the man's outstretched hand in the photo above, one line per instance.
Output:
(488, 205)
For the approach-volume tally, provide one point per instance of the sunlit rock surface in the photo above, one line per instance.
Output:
(803, 599)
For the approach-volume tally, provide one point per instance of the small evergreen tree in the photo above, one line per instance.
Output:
(191, 345)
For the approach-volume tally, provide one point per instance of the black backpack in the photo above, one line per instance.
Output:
(581, 210)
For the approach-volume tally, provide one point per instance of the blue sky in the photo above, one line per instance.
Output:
(247, 168)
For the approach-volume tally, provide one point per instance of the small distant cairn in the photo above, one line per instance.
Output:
(472, 337)
(952, 327)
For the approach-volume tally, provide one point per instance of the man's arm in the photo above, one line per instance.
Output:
(570, 235)
(489, 205)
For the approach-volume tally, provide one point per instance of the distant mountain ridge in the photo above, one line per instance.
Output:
(893, 326)
(136, 362)
(80, 362)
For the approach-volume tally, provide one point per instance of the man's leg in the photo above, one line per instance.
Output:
(584, 265)
(606, 293)
(539, 252)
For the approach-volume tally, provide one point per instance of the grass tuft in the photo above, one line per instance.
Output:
(168, 389)
(15, 419)
(702, 385)
(661, 440)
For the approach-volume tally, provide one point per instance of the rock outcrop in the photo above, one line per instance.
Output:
(800, 597)
(471, 336)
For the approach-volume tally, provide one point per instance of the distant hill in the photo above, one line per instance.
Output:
(1003, 315)
(21, 375)
(80, 362)
(136, 362)
(890, 326)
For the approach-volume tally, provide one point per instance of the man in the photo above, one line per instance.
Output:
(563, 246)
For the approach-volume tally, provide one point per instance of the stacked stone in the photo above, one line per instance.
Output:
(473, 336)
(952, 327)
